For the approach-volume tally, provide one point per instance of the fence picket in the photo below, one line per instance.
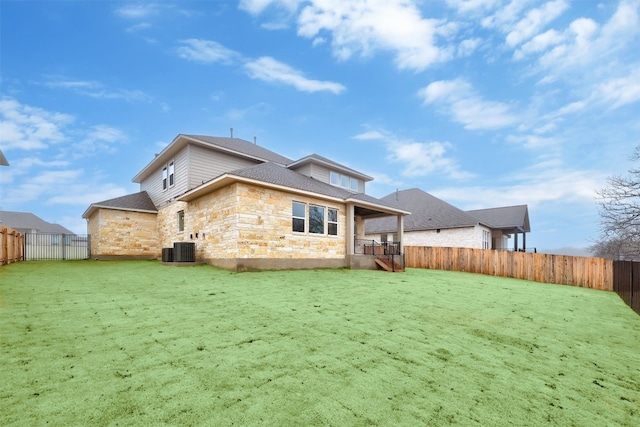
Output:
(596, 273)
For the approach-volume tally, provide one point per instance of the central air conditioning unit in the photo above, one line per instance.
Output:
(167, 254)
(184, 252)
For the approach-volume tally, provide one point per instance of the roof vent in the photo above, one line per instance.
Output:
(255, 140)
(231, 132)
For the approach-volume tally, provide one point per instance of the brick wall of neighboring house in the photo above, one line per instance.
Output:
(249, 227)
(123, 234)
(467, 237)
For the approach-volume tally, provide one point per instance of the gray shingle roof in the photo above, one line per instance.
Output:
(507, 217)
(315, 158)
(275, 174)
(427, 213)
(140, 202)
(26, 222)
(243, 147)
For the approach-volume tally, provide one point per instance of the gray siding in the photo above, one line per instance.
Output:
(153, 184)
(207, 164)
(319, 172)
(304, 169)
(193, 166)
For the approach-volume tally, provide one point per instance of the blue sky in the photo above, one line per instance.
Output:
(482, 103)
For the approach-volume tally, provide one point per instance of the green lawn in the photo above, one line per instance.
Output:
(139, 343)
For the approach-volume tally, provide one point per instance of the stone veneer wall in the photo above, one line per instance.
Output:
(123, 234)
(245, 227)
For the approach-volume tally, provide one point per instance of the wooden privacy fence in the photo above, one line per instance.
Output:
(11, 246)
(595, 273)
(627, 282)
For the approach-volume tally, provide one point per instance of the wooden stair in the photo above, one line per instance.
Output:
(389, 265)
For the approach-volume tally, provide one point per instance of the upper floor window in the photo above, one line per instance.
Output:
(168, 176)
(343, 181)
(164, 178)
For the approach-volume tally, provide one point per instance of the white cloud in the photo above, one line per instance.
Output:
(537, 185)
(137, 11)
(458, 99)
(273, 71)
(620, 91)
(256, 7)
(366, 27)
(29, 128)
(206, 51)
(534, 21)
(96, 90)
(472, 6)
(418, 158)
(539, 43)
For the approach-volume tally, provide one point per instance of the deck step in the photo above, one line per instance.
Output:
(389, 265)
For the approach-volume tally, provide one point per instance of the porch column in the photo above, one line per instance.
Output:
(401, 231)
(351, 229)
(524, 241)
(515, 241)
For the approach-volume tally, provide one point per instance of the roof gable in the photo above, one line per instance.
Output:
(139, 202)
(315, 158)
(235, 146)
(427, 213)
(507, 217)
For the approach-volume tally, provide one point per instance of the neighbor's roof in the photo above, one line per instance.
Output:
(315, 158)
(138, 202)
(277, 176)
(26, 222)
(427, 213)
(235, 146)
(508, 217)
(3, 160)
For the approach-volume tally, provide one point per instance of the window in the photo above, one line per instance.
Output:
(316, 219)
(334, 178)
(322, 220)
(343, 181)
(354, 184)
(298, 215)
(485, 239)
(180, 220)
(332, 222)
(164, 178)
(168, 176)
(383, 238)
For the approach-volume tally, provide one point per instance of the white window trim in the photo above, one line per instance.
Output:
(307, 220)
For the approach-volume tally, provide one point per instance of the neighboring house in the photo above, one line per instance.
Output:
(28, 223)
(243, 206)
(434, 222)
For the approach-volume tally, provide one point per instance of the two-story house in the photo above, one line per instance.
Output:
(243, 206)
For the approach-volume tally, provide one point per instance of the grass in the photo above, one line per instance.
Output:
(139, 343)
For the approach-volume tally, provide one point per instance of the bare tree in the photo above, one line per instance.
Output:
(619, 209)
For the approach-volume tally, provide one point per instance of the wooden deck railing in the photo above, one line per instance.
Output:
(595, 273)
(11, 246)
